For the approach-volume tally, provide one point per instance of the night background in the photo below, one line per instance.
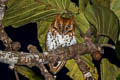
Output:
(26, 35)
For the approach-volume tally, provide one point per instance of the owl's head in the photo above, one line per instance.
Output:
(63, 25)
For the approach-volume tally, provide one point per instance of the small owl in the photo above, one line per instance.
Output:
(60, 34)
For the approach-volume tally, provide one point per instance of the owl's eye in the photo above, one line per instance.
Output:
(59, 25)
(68, 26)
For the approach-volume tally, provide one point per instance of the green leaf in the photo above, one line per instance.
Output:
(30, 13)
(62, 4)
(82, 5)
(102, 3)
(42, 28)
(104, 21)
(25, 11)
(83, 25)
(108, 70)
(118, 77)
(73, 8)
(57, 4)
(28, 73)
(66, 3)
(13, 4)
(74, 71)
(10, 3)
(115, 6)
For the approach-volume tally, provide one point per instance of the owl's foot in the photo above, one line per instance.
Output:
(88, 76)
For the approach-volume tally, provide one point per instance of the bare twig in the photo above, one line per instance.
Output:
(33, 49)
(84, 68)
(2, 9)
(9, 44)
(108, 45)
(16, 74)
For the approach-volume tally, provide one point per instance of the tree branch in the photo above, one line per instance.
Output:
(9, 44)
(29, 59)
(33, 49)
(38, 59)
(108, 45)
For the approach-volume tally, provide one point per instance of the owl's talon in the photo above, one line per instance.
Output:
(88, 76)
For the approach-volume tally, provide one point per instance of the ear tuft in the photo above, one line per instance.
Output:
(58, 16)
(72, 18)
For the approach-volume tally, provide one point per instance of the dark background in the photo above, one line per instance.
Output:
(26, 35)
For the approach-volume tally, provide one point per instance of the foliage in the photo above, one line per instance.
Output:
(102, 16)
(74, 71)
(109, 69)
(115, 7)
(28, 73)
(42, 31)
(27, 11)
(118, 77)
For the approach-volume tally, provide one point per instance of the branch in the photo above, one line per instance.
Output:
(38, 59)
(9, 44)
(2, 9)
(29, 59)
(108, 45)
(33, 49)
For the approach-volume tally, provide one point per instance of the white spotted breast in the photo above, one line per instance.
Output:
(56, 41)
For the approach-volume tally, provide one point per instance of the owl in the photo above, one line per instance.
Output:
(60, 34)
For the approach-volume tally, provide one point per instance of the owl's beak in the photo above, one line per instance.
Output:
(61, 30)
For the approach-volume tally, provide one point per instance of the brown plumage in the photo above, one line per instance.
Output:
(62, 25)
(60, 34)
